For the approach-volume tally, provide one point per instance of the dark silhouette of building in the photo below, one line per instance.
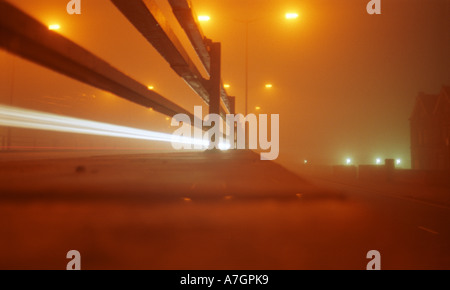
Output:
(430, 131)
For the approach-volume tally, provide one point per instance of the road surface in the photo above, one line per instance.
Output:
(204, 211)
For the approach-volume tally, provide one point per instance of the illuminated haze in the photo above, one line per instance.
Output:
(344, 82)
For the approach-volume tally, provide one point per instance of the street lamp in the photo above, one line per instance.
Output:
(289, 16)
(204, 18)
(54, 27)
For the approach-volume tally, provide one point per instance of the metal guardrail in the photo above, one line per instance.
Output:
(148, 19)
(182, 9)
(26, 37)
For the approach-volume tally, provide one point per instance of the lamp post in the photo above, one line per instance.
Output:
(288, 16)
(247, 24)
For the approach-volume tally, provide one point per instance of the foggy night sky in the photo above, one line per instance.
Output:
(344, 81)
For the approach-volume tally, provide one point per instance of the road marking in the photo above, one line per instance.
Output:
(428, 230)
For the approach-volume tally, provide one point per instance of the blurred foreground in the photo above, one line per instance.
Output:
(204, 211)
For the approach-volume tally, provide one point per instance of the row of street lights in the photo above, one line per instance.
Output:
(247, 22)
(378, 161)
(349, 161)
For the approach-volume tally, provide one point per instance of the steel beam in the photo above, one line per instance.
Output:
(148, 19)
(232, 105)
(185, 15)
(28, 38)
(188, 21)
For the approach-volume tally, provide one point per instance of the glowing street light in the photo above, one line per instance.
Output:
(151, 88)
(288, 15)
(348, 161)
(204, 18)
(258, 108)
(54, 27)
(398, 162)
(291, 15)
(378, 161)
(227, 86)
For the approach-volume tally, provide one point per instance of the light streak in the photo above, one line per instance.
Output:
(224, 146)
(28, 119)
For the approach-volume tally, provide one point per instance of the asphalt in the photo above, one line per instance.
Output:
(200, 210)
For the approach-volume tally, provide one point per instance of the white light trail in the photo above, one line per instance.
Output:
(224, 146)
(28, 119)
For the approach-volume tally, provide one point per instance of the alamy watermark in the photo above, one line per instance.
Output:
(221, 135)
(373, 7)
(375, 260)
(74, 7)
(75, 261)
(75, 264)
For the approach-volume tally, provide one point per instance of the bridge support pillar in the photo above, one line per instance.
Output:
(215, 78)
(233, 112)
